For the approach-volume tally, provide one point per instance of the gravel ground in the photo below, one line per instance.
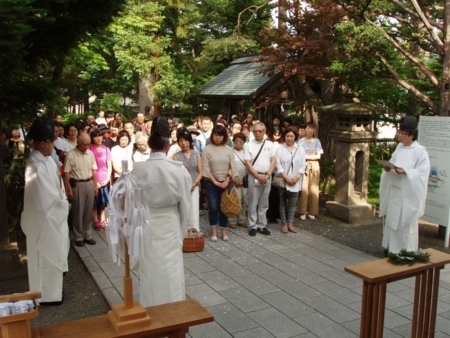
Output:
(366, 236)
(82, 297)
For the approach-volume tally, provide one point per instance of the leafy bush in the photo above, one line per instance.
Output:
(381, 150)
(15, 184)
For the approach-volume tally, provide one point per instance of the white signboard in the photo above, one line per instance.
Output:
(434, 134)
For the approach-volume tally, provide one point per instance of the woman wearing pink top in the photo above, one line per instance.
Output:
(103, 158)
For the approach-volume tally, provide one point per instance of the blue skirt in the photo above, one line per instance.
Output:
(102, 198)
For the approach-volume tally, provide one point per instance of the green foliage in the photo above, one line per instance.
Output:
(71, 118)
(381, 39)
(230, 47)
(381, 151)
(15, 184)
(112, 102)
(405, 257)
(375, 170)
(374, 83)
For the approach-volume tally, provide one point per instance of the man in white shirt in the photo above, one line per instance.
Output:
(129, 127)
(259, 179)
(403, 190)
(101, 118)
(61, 146)
(205, 129)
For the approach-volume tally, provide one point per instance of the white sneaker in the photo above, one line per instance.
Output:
(303, 217)
(311, 216)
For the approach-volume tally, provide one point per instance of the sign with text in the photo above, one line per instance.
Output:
(434, 134)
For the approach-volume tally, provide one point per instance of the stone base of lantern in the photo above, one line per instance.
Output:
(350, 213)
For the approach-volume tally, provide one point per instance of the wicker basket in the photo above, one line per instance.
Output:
(194, 241)
(229, 202)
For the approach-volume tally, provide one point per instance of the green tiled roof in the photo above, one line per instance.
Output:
(241, 80)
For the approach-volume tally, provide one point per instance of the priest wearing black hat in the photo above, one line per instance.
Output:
(166, 191)
(403, 190)
(44, 217)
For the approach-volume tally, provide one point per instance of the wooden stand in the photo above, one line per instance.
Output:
(377, 274)
(171, 320)
(18, 325)
(129, 315)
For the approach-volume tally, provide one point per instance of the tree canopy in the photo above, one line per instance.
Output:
(404, 42)
(35, 38)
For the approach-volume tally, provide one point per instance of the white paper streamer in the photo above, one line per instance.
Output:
(127, 216)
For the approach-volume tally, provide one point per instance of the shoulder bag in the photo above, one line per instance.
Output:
(245, 180)
(278, 180)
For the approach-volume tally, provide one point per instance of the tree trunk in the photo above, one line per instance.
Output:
(282, 14)
(444, 107)
(144, 94)
(56, 80)
(86, 103)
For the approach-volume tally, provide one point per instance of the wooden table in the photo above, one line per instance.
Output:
(376, 274)
(168, 320)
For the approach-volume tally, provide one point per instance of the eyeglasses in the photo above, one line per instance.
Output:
(258, 131)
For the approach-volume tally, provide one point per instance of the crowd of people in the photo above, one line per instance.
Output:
(215, 153)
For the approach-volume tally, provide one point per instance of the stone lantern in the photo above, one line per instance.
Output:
(352, 134)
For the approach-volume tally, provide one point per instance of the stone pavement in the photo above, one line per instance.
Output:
(281, 285)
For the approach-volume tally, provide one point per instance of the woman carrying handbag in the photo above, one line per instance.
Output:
(219, 170)
(291, 165)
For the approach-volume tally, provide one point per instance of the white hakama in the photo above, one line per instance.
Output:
(402, 197)
(166, 193)
(44, 222)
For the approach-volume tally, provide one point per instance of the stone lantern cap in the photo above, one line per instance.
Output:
(354, 116)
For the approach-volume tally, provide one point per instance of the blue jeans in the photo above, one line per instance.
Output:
(214, 194)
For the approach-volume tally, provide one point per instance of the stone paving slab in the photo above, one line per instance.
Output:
(291, 285)
(245, 300)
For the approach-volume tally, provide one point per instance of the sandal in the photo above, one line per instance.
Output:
(225, 236)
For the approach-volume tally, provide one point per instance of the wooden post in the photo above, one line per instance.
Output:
(129, 315)
(127, 282)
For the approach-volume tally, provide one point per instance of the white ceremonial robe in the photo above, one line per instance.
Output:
(166, 193)
(402, 197)
(44, 222)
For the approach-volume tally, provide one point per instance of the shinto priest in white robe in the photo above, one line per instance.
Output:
(44, 222)
(166, 192)
(402, 197)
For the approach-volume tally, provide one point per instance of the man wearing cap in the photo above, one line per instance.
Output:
(166, 193)
(234, 119)
(81, 187)
(403, 190)
(195, 141)
(44, 217)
